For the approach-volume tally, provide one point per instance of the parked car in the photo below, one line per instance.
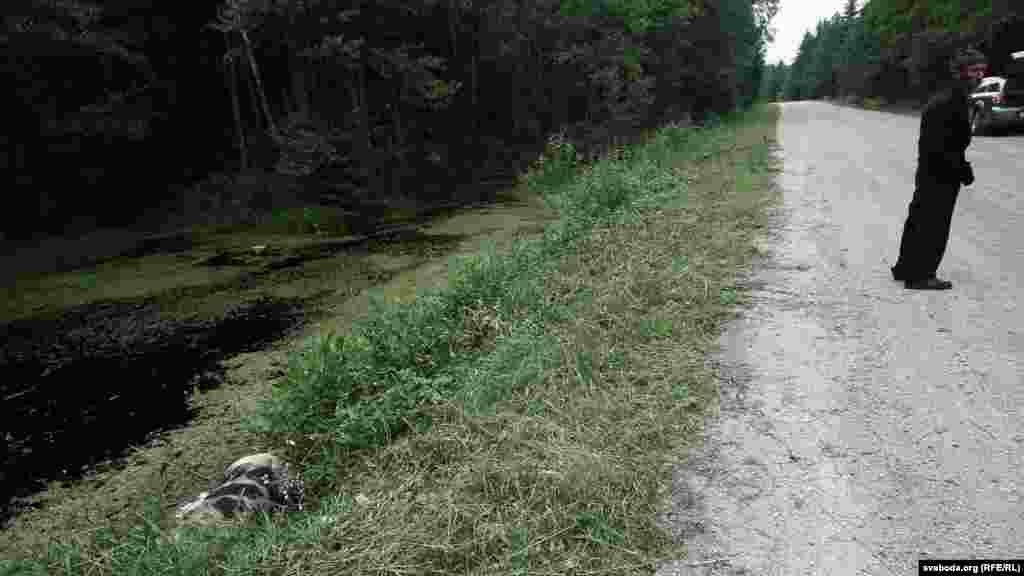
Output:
(998, 101)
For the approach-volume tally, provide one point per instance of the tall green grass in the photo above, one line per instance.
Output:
(466, 388)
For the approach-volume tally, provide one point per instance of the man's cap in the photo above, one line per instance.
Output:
(966, 57)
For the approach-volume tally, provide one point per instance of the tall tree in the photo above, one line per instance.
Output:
(861, 55)
(799, 82)
(917, 35)
(774, 81)
(428, 87)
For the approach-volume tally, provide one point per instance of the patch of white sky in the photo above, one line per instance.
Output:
(794, 18)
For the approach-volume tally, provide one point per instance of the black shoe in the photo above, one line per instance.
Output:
(928, 284)
(897, 276)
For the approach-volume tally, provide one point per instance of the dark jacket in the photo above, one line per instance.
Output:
(945, 135)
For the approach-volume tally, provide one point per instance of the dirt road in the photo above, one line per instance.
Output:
(864, 426)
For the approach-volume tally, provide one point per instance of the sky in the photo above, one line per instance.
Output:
(794, 18)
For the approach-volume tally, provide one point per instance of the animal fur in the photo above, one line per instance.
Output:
(255, 483)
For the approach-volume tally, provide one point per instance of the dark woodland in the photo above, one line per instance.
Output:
(120, 104)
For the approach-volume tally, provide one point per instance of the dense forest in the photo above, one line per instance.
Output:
(895, 49)
(119, 102)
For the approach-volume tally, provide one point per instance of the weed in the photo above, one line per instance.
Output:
(319, 220)
(521, 419)
(728, 296)
(556, 166)
(86, 281)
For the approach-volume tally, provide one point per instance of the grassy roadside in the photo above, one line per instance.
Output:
(521, 420)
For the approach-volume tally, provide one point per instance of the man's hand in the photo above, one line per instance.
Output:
(967, 174)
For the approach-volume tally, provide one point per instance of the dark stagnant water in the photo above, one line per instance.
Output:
(82, 386)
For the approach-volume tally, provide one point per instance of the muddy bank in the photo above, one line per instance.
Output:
(82, 385)
(133, 364)
(109, 365)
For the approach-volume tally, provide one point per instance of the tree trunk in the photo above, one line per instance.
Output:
(528, 72)
(300, 96)
(397, 142)
(342, 81)
(297, 72)
(316, 96)
(474, 92)
(231, 74)
(453, 17)
(254, 107)
(361, 143)
(540, 88)
(353, 92)
(287, 106)
(259, 83)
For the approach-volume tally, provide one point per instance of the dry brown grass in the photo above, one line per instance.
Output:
(567, 475)
(568, 470)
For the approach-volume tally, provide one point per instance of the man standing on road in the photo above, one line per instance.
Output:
(941, 168)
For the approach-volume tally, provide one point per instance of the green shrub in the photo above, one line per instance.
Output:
(556, 166)
(874, 103)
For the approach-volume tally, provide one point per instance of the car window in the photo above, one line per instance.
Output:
(987, 87)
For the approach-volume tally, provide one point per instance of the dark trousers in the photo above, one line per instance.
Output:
(926, 231)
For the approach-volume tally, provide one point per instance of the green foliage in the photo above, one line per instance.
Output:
(145, 550)
(306, 220)
(774, 81)
(562, 454)
(596, 527)
(619, 55)
(740, 60)
(60, 39)
(860, 56)
(673, 136)
(359, 390)
(799, 83)
(520, 361)
(873, 103)
(327, 372)
(556, 166)
(608, 187)
(833, 60)
(638, 16)
(897, 47)
(897, 21)
(824, 61)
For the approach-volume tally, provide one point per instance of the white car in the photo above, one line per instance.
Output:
(998, 101)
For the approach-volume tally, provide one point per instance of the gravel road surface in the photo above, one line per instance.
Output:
(864, 426)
